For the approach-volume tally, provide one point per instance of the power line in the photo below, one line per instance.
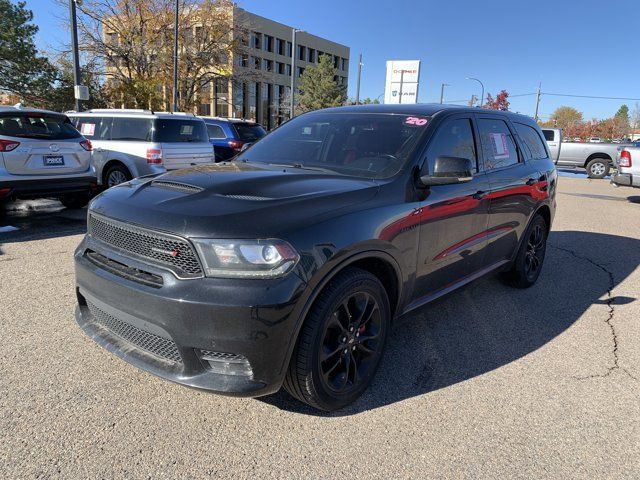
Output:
(587, 96)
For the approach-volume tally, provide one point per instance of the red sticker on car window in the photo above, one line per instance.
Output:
(417, 121)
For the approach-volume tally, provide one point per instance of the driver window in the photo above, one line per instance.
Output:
(453, 139)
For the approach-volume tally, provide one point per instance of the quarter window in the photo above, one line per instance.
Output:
(532, 141)
(453, 139)
(499, 148)
(215, 131)
(549, 135)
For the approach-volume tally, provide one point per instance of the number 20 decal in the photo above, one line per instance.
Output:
(416, 121)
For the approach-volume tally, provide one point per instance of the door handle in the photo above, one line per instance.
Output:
(480, 194)
(531, 182)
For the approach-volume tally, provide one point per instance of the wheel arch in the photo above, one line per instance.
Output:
(593, 156)
(111, 163)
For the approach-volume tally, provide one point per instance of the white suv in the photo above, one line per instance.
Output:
(43, 155)
(132, 143)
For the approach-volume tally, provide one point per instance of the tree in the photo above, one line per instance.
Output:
(565, 117)
(318, 87)
(500, 103)
(22, 70)
(621, 122)
(134, 39)
(635, 118)
(61, 96)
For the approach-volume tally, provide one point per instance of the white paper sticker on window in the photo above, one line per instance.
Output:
(88, 129)
(499, 144)
(186, 129)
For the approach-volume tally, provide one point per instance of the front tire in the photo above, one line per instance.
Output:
(528, 263)
(75, 200)
(598, 168)
(341, 342)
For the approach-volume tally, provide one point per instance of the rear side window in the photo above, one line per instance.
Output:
(215, 131)
(453, 139)
(132, 129)
(38, 126)
(249, 132)
(94, 128)
(532, 142)
(549, 135)
(498, 146)
(180, 130)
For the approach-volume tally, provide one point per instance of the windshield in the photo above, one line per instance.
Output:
(179, 130)
(249, 132)
(372, 145)
(37, 125)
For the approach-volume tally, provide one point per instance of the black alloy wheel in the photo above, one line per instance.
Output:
(535, 252)
(341, 342)
(527, 265)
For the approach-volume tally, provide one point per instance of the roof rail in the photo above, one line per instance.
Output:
(118, 110)
(186, 114)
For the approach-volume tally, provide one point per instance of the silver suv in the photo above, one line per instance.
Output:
(43, 155)
(132, 143)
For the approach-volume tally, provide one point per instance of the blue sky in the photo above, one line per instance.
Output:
(581, 47)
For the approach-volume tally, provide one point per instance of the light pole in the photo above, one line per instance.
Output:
(175, 59)
(482, 85)
(442, 91)
(293, 70)
(359, 75)
(74, 49)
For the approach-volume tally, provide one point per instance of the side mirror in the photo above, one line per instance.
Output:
(449, 170)
(245, 146)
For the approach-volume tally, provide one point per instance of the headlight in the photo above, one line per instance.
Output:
(246, 258)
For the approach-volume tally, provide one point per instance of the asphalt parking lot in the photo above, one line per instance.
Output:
(487, 382)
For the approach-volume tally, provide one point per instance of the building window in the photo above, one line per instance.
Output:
(300, 71)
(268, 65)
(280, 68)
(344, 64)
(302, 52)
(243, 60)
(289, 49)
(320, 53)
(335, 61)
(204, 109)
(288, 69)
(268, 43)
(312, 55)
(257, 61)
(280, 46)
(256, 40)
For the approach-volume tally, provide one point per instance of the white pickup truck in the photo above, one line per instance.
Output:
(596, 158)
(628, 164)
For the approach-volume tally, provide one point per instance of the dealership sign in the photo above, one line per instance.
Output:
(402, 81)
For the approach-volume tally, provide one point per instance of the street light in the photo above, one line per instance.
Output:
(74, 49)
(175, 59)
(442, 91)
(293, 68)
(482, 85)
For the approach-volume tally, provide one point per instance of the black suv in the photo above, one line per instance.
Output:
(288, 265)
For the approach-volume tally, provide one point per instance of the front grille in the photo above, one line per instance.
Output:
(221, 356)
(161, 249)
(124, 271)
(159, 346)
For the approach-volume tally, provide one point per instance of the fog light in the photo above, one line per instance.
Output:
(226, 363)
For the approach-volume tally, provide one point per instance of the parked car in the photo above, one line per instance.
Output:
(229, 135)
(42, 155)
(596, 158)
(628, 165)
(131, 143)
(289, 264)
(595, 140)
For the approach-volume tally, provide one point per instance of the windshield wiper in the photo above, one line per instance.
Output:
(304, 167)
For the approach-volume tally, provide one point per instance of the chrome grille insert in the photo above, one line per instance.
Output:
(157, 248)
(159, 346)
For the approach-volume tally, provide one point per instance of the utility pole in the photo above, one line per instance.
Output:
(442, 91)
(293, 71)
(74, 48)
(401, 83)
(473, 100)
(175, 59)
(538, 101)
(359, 75)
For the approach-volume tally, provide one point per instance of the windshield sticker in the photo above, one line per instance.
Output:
(88, 129)
(417, 121)
(499, 144)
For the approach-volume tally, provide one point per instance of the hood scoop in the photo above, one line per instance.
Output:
(252, 198)
(177, 186)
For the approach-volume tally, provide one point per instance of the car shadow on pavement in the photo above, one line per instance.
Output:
(488, 325)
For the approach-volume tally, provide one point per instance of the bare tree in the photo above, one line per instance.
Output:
(134, 40)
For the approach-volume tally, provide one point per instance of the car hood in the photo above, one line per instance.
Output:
(229, 200)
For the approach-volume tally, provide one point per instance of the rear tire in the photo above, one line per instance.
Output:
(341, 342)
(75, 200)
(116, 175)
(527, 266)
(598, 168)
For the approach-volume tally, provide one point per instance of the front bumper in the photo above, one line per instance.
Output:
(625, 180)
(247, 321)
